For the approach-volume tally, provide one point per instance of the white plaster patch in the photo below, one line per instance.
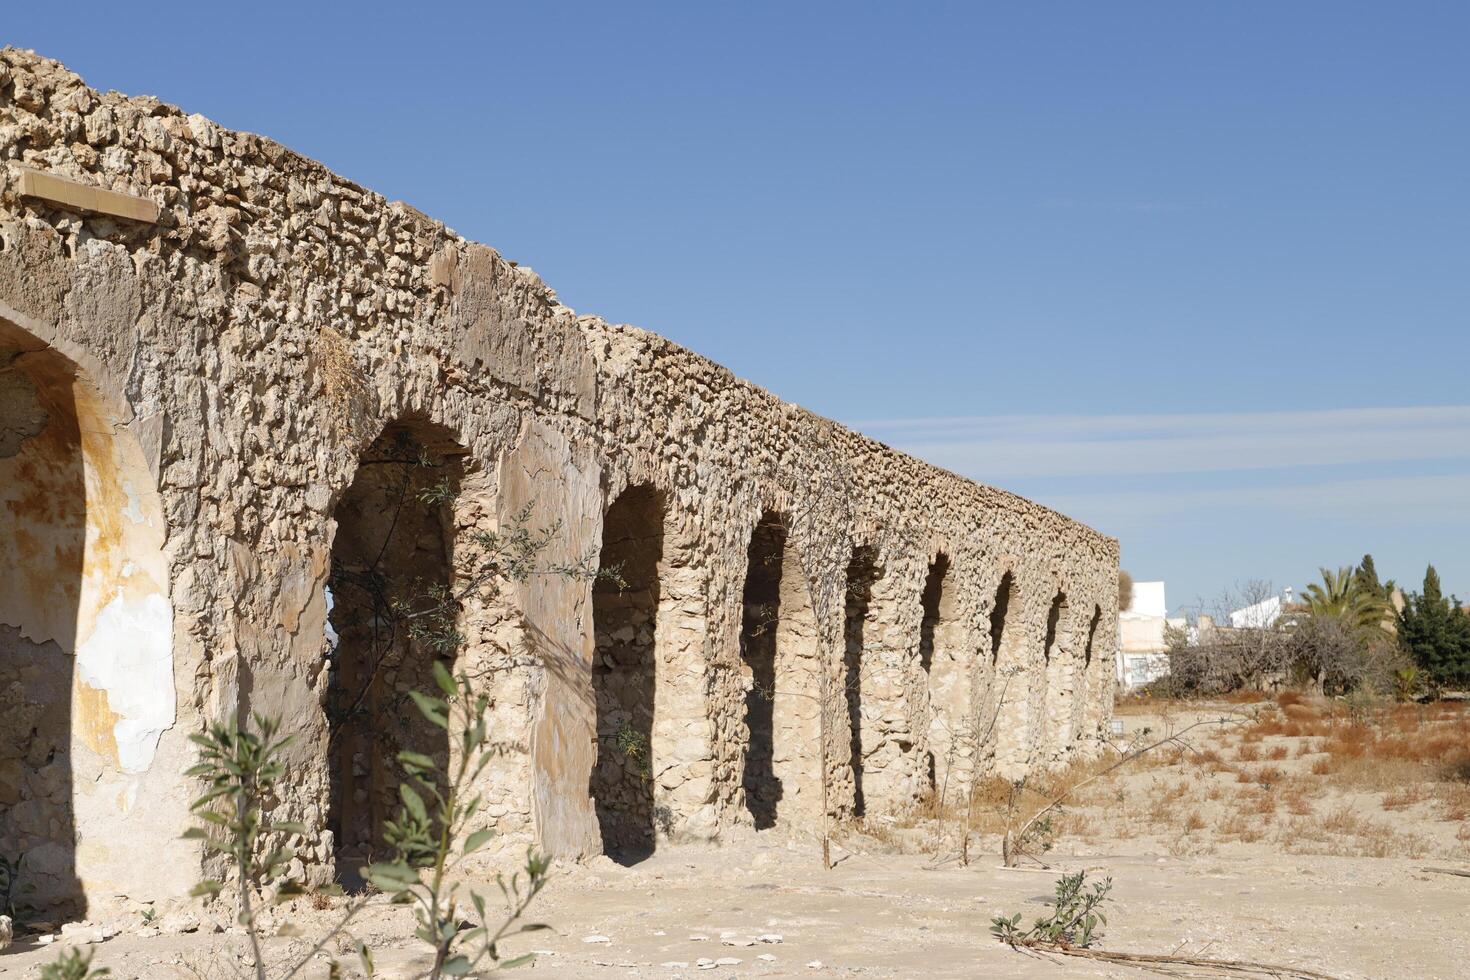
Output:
(134, 509)
(129, 656)
(332, 638)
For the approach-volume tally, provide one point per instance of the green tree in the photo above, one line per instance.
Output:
(1366, 577)
(1436, 631)
(1347, 595)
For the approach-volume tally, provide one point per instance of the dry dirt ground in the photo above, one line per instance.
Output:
(1295, 833)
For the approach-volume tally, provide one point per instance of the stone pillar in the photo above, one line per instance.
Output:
(682, 746)
(557, 716)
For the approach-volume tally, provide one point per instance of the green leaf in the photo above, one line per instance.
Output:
(444, 680)
(391, 876)
(366, 956)
(518, 961)
(417, 761)
(431, 708)
(478, 840)
(208, 887)
(456, 966)
(413, 802)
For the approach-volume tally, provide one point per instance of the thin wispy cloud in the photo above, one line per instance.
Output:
(1442, 500)
(997, 448)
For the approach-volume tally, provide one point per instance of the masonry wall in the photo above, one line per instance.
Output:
(250, 345)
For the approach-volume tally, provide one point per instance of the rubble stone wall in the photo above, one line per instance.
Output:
(242, 353)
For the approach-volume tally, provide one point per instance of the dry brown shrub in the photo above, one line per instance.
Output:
(1277, 753)
(1456, 768)
(1289, 698)
(1240, 826)
(1454, 801)
(1300, 713)
(1345, 833)
(1270, 775)
(881, 832)
(1405, 796)
(1296, 800)
(1259, 804)
(1245, 697)
(1248, 753)
(1209, 760)
(1376, 775)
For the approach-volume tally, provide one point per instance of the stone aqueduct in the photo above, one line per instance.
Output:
(209, 347)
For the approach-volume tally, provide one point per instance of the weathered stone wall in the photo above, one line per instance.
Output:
(246, 349)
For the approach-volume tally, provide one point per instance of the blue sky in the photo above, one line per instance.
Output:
(1197, 274)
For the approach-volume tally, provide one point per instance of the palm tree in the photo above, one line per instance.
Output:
(1341, 595)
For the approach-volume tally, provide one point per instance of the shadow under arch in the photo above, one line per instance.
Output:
(863, 571)
(625, 609)
(87, 686)
(391, 614)
(761, 619)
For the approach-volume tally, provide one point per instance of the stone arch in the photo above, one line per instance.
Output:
(1055, 682)
(761, 615)
(1086, 668)
(859, 648)
(393, 610)
(946, 667)
(1000, 608)
(779, 654)
(625, 613)
(1010, 679)
(780, 650)
(88, 702)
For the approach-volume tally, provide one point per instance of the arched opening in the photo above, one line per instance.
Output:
(1053, 620)
(760, 622)
(930, 601)
(1091, 637)
(1007, 697)
(862, 572)
(393, 612)
(625, 602)
(999, 609)
(947, 670)
(86, 651)
(1081, 704)
(1052, 711)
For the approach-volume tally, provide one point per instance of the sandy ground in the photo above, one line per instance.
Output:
(1298, 889)
(886, 916)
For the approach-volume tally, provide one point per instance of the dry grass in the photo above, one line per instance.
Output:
(343, 385)
(1299, 773)
(1405, 796)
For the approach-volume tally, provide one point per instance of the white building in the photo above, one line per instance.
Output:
(1142, 655)
(1258, 616)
